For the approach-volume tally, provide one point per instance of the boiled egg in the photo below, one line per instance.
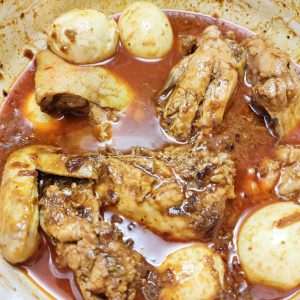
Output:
(83, 36)
(145, 31)
(194, 272)
(268, 245)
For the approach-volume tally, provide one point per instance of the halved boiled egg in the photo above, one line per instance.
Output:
(268, 245)
(194, 272)
(40, 121)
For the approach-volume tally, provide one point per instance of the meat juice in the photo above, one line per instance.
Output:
(138, 125)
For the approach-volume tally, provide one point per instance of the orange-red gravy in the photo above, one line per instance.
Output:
(242, 133)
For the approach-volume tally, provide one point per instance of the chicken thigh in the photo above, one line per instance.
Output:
(180, 192)
(105, 267)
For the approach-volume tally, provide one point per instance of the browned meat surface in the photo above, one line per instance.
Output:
(276, 87)
(188, 44)
(97, 116)
(180, 192)
(200, 86)
(105, 266)
(283, 172)
(288, 186)
(61, 87)
(19, 238)
(82, 207)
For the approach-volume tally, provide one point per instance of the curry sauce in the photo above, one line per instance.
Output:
(242, 133)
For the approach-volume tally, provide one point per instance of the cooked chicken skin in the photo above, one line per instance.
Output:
(199, 87)
(288, 186)
(78, 86)
(103, 265)
(180, 192)
(66, 88)
(283, 172)
(82, 206)
(19, 195)
(19, 210)
(276, 86)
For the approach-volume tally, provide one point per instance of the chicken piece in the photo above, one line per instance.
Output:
(78, 200)
(180, 192)
(268, 174)
(276, 87)
(283, 172)
(97, 115)
(78, 86)
(61, 87)
(199, 87)
(187, 44)
(104, 266)
(19, 195)
(288, 186)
